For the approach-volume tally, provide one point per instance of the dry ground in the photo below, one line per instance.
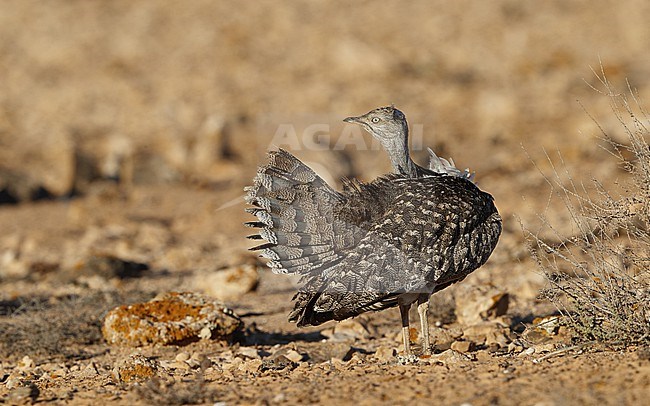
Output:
(130, 128)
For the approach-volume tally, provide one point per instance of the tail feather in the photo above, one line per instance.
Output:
(313, 308)
(295, 211)
(441, 165)
(311, 230)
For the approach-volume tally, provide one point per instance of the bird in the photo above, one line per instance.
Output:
(387, 243)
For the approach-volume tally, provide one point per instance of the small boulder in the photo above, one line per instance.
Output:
(474, 305)
(229, 283)
(463, 346)
(135, 368)
(173, 318)
(354, 329)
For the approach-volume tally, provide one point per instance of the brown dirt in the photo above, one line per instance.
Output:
(128, 130)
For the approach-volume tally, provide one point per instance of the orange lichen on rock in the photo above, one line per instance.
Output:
(173, 318)
(136, 368)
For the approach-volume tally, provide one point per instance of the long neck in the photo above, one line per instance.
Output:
(398, 151)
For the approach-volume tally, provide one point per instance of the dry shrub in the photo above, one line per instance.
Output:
(55, 328)
(599, 278)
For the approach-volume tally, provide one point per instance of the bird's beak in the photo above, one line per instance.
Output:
(352, 120)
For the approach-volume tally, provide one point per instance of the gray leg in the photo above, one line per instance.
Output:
(404, 312)
(423, 310)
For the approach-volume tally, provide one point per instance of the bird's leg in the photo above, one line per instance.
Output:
(406, 335)
(423, 311)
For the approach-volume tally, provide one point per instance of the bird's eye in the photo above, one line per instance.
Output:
(375, 120)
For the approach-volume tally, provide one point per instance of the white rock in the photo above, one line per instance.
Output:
(230, 283)
(293, 356)
(184, 366)
(25, 363)
(205, 333)
(182, 356)
(249, 352)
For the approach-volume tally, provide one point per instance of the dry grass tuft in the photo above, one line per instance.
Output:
(599, 278)
(55, 327)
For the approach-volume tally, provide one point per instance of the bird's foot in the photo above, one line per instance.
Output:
(407, 359)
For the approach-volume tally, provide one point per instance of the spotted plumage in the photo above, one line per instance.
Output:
(374, 245)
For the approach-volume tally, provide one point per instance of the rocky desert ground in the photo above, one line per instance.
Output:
(128, 131)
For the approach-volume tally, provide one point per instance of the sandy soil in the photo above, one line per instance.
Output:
(128, 130)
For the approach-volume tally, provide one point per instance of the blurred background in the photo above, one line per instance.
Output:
(132, 127)
(128, 130)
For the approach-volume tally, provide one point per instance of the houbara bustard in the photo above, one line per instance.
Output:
(391, 242)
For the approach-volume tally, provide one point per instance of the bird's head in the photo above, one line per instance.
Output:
(384, 123)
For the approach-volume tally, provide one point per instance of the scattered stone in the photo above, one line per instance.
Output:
(230, 283)
(13, 381)
(135, 368)
(205, 333)
(474, 305)
(442, 338)
(328, 350)
(172, 318)
(493, 348)
(25, 363)
(355, 329)
(89, 371)
(23, 394)
(199, 360)
(463, 346)
(252, 366)
(450, 357)
(483, 356)
(529, 351)
(358, 357)
(182, 356)
(341, 352)
(515, 347)
(499, 336)
(249, 352)
(231, 363)
(277, 363)
(385, 354)
(337, 363)
(294, 356)
(179, 365)
(545, 347)
(110, 266)
(487, 333)
(55, 371)
(290, 354)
